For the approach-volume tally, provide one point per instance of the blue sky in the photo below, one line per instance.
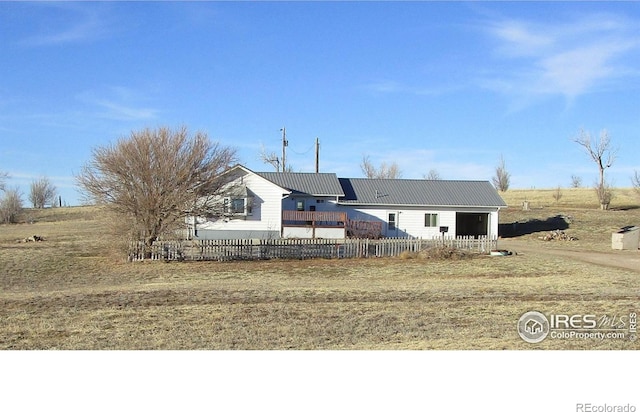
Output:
(450, 86)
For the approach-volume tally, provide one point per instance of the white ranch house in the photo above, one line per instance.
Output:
(268, 205)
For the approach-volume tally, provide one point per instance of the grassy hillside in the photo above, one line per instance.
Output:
(592, 226)
(75, 290)
(578, 198)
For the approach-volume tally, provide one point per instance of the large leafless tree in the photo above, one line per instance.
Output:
(384, 171)
(603, 155)
(157, 177)
(42, 192)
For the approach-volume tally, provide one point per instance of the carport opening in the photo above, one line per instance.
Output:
(472, 224)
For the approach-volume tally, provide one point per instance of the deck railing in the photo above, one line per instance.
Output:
(355, 228)
(297, 217)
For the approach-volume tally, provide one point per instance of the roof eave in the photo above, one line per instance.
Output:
(343, 203)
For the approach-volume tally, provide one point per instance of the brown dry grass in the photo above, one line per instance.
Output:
(580, 198)
(592, 226)
(74, 291)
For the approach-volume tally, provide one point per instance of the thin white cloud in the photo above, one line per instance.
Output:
(576, 71)
(118, 103)
(117, 111)
(569, 59)
(386, 86)
(520, 40)
(395, 87)
(69, 23)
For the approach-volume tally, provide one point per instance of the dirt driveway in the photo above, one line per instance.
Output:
(619, 259)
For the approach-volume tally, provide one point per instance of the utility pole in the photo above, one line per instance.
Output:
(285, 143)
(317, 155)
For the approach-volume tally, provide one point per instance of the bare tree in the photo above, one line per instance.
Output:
(10, 206)
(156, 178)
(576, 181)
(557, 194)
(42, 192)
(273, 160)
(432, 175)
(270, 158)
(502, 178)
(3, 178)
(603, 155)
(635, 181)
(385, 171)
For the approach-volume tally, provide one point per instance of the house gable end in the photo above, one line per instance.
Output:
(237, 172)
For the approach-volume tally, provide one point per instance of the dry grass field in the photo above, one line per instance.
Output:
(75, 290)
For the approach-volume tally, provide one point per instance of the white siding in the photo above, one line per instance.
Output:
(266, 210)
(306, 232)
(493, 223)
(411, 221)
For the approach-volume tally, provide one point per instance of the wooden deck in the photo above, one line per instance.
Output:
(305, 218)
(354, 228)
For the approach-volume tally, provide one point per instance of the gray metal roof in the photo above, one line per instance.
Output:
(420, 192)
(314, 184)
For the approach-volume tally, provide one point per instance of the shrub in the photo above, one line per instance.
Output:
(10, 206)
(408, 255)
(445, 253)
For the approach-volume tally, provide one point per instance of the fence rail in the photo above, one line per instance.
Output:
(256, 249)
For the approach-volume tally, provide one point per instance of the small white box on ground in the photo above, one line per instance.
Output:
(627, 238)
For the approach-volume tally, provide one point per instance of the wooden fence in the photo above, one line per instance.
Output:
(256, 249)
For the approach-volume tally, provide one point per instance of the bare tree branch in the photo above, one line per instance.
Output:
(385, 171)
(270, 158)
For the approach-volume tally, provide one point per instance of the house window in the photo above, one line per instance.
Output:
(300, 205)
(430, 220)
(392, 221)
(237, 206)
